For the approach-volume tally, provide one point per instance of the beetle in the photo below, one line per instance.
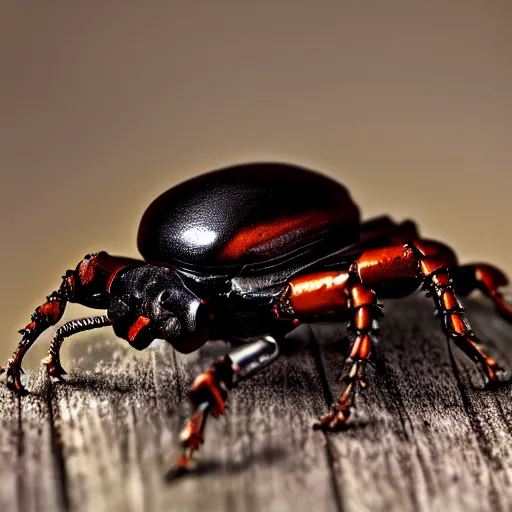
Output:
(248, 252)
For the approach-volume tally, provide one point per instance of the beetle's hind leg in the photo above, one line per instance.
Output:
(210, 389)
(489, 280)
(52, 361)
(437, 276)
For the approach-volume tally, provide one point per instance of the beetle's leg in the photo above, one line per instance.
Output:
(364, 327)
(436, 275)
(397, 270)
(486, 278)
(44, 316)
(88, 285)
(52, 361)
(326, 293)
(210, 389)
(383, 231)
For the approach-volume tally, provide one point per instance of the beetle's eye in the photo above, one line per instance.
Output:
(166, 300)
(118, 308)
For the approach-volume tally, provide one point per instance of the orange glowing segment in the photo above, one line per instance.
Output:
(319, 293)
(253, 236)
(141, 322)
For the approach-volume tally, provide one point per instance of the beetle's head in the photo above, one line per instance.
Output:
(152, 302)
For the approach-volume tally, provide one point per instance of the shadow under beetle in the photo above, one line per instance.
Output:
(245, 254)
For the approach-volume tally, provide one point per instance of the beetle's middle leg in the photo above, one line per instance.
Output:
(324, 294)
(210, 389)
(364, 328)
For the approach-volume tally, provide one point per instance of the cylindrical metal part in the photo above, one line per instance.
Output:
(251, 358)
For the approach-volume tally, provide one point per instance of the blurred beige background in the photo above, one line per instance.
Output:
(106, 104)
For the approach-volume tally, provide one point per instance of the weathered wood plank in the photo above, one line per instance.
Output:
(425, 437)
(264, 455)
(431, 442)
(31, 474)
(120, 424)
(10, 450)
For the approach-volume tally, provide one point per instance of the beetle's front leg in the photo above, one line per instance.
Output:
(210, 389)
(44, 316)
(88, 284)
(364, 328)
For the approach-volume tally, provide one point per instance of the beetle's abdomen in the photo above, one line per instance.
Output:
(247, 214)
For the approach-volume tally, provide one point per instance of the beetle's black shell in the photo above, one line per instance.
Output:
(246, 215)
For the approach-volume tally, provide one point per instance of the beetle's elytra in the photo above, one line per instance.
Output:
(245, 254)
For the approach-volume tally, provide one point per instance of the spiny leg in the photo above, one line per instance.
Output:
(210, 389)
(327, 293)
(44, 316)
(438, 283)
(88, 285)
(52, 361)
(396, 271)
(364, 327)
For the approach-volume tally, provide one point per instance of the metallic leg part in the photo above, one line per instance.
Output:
(437, 281)
(191, 436)
(210, 389)
(366, 329)
(52, 361)
(44, 316)
(491, 281)
(455, 324)
(250, 359)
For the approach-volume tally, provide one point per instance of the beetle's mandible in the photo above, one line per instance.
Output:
(245, 254)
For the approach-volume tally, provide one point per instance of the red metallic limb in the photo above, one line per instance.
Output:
(436, 263)
(210, 389)
(320, 293)
(430, 263)
(489, 280)
(87, 284)
(96, 273)
(455, 324)
(390, 271)
(44, 316)
(191, 436)
(208, 394)
(386, 272)
(393, 271)
(363, 304)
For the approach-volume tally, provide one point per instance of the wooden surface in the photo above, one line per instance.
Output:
(426, 435)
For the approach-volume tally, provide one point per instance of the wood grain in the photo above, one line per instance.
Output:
(426, 436)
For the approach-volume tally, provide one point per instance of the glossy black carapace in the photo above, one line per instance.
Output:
(247, 253)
